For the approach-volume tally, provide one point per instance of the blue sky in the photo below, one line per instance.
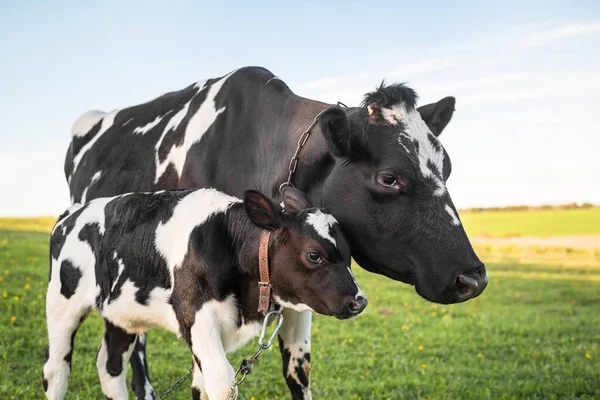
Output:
(526, 76)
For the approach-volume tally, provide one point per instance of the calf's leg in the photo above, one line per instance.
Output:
(113, 356)
(294, 344)
(207, 348)
(198, 392)
(64, 317)
(140, 379)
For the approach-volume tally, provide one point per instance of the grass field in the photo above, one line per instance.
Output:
(532, 223)
(533, 334)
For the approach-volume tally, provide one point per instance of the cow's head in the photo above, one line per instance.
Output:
(308, 255)
(388, 190)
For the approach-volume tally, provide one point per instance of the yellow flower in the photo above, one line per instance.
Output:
(587, 355)
(13, 318)
(420, 348)
(5, 294)
(27, 286)
(406, 304)
(423, 366)
(479, 355)
(5, 272)
(405, 328)
(39, 296)
(16, 298)
(1, 278)
(28, 278)
(434, 306)
(350, 340)
(252, 398)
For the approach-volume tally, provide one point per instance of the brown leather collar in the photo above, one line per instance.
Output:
(264, 285)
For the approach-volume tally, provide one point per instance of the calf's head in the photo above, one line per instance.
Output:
(387, 187)
(309, 256)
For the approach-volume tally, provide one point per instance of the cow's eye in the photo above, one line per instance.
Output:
(314, 258)
(389, 181)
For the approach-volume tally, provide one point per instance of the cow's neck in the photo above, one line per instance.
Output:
(315, 161)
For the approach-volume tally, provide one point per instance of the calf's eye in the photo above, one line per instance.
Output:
(314, 258)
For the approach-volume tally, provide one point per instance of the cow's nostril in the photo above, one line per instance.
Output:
(467, 287)
(354, 305)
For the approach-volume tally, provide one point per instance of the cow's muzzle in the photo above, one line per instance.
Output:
(469, 286)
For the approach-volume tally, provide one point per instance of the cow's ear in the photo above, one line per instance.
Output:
(437, 115)
(342, 141)
(295, 200)
(261, 210)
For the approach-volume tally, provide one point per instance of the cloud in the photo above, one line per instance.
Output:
(560, 32)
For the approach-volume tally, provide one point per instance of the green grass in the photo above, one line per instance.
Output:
(533, 334)
(532, 223)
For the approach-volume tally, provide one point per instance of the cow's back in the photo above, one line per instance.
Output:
(145, 147)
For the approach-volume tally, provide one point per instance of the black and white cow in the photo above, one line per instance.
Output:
(378, 168)
(187, 261)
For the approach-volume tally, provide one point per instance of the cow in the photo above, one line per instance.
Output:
(378, 168)
(189, 261)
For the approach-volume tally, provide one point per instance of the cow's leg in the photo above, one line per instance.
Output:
(198, 392)
(140, 379)
(115, 350)
(294, 344)
(64, 316)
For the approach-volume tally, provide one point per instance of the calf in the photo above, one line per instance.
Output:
(188, 261)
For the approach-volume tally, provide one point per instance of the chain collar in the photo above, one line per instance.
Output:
(301, 142)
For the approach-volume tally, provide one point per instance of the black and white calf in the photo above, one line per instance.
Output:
(187, 261)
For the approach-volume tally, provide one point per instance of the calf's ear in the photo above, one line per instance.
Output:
(341, 140)
(295, 200)
(437, 115)
(261, 210)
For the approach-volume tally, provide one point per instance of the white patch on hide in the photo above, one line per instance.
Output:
(450, 211)
(94, 179)
(296, 307)
(197, 126)
(322, 223)
(133, 317)
(172, 237)
(416, 129)
(86, 122)
(146, 128)
(107, 122)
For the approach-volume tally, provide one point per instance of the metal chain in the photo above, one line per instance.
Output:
(177, 383)
(247, 364)
(301, 142)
